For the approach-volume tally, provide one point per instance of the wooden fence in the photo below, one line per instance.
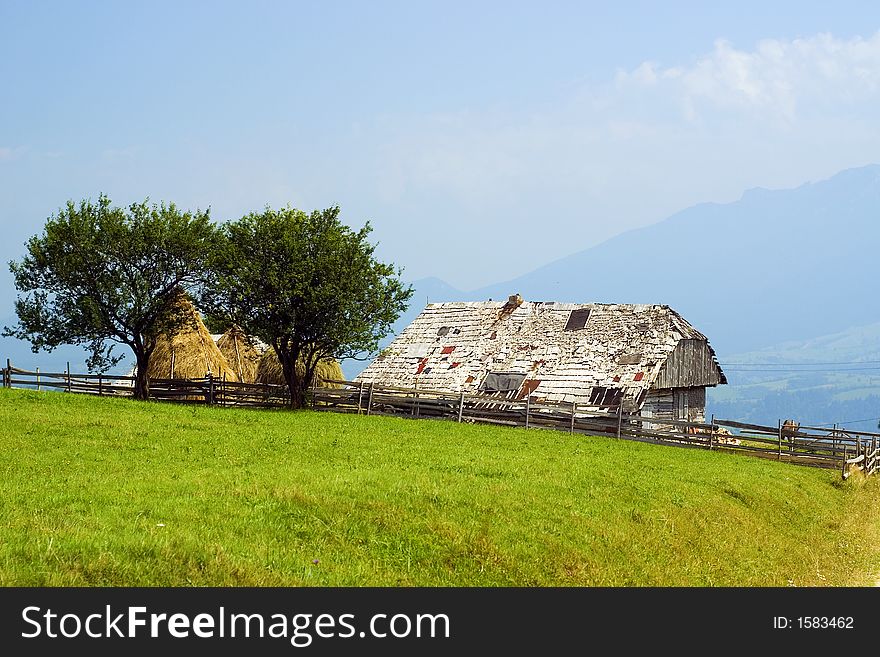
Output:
(207, 390)
(837, 448)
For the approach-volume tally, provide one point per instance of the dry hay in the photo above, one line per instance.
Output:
(269, 370)
(190, 353)
(719, 435)
(241, 353)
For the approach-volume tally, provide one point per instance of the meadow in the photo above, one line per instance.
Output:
(112, 492)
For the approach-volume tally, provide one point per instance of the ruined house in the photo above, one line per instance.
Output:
(646, 359)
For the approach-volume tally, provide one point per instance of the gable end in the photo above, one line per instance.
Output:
(691, 364)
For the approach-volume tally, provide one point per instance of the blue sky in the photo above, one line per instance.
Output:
(480, 139)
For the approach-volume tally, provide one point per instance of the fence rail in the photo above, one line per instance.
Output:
(836, 448)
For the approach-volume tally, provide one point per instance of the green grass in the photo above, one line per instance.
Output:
(113, 492)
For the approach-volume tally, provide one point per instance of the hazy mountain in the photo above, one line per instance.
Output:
(773, 266)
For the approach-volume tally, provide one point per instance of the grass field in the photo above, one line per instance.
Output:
(112, 492)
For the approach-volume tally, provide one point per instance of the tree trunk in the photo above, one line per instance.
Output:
(295, 385)
(297, 396)
(141, 382)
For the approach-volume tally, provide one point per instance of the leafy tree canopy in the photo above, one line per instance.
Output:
(100, 275)
(306, 284)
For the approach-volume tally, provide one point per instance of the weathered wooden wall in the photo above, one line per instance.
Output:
(687, 404)
(658, 405)
(690, 364)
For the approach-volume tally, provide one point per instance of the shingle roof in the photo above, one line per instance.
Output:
(453, 346)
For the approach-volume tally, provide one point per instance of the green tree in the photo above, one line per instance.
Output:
(307, 285)
(100, 276)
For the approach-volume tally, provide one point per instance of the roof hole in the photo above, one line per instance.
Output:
(577, 319)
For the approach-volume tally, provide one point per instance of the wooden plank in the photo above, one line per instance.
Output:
(744, 425)
(27, 382)
(853, 432)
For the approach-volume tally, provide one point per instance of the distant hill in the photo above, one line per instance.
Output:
(772, 266)
(825, 380)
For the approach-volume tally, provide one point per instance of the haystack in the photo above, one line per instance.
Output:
(190, 353)
(269, 370)
(241, 353)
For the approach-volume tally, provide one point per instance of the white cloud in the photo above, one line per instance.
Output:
(776, 78)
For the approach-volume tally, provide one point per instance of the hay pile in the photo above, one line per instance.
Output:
(190, 353)
(269, 370)
(241, 353)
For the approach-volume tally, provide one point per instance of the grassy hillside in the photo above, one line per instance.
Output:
(111, 492)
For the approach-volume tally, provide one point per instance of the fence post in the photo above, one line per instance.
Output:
(100, 386)
(360, 396)
(68, 376)
(38, 380)
(210, 398)
(843, 466)
(460, 406)
(370, 399)
(573, 411)
(712, 433)
(779, 438)
(528, 408)
(7, 374)
(619, 418)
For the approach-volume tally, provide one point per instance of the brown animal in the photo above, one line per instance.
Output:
(790, 429)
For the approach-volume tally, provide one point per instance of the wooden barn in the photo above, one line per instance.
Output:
(646, 358)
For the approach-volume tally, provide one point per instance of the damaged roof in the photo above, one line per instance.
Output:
(594, 354)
